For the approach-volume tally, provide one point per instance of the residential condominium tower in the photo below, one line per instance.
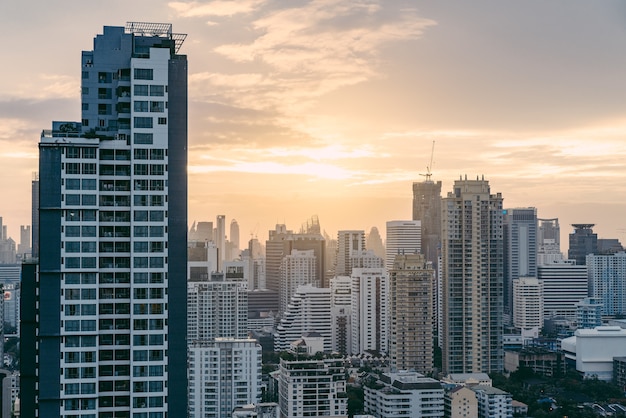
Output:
(109, 299)
(472, 278)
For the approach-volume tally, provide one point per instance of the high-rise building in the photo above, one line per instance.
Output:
(341, 313)
(35, 214)
(313, 388)
(548, 242)
(220, 238)
(296, 269)
(374, 242)
(427, 210)
(528, 303)
(223, 375)
(582, 242)
(564, 285)
(348, 243)
(24, 246)
(411, 285)
(607, 281)
(520, 249)
(308, 311)
(217, 308)
(234, 234)
(403, 237)
(472, 278)
(370, 310)
(111, 316)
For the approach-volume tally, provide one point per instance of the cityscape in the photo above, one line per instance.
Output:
(126, 297)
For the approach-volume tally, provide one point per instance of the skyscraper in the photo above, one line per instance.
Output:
(220, 239)
(348, 243)
(472, 278)
(520, 249)
(111, 314)
(564, 285)
(548, 242)
(403, 237)
(427, 210)
(607, 281)
(582, 242)
(411, 285)
(370, 310)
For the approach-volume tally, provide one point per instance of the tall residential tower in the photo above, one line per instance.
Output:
(109, 300)
(472, 274)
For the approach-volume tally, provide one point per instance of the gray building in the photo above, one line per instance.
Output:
(107, 307)
(520, 249)
(427, 209)
(582, 242)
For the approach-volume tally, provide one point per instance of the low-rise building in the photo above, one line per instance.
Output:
(493, 402)
(540, 360)
(406, 394)
(592, 351)
(460, 402)
(467, 379)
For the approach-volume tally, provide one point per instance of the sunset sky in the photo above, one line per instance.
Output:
(330, 108)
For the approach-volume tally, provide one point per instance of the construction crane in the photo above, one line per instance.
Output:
(429, 167)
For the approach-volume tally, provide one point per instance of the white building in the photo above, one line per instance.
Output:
(296, 269)
(308, 311)
(223, 374)
(341, 313)
(607, 281)
(217, 308)
(348, 243)
(564, 285)
(589, 313)
(406, 394)
(493, 402)
(366, 259)
(370, 310)
(403, 237)
(593, 350)
(528, 304)
(313, 388)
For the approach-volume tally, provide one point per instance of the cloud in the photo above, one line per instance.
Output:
(219, 8)
(301, 53)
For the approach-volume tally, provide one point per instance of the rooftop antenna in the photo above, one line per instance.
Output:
(429, 167)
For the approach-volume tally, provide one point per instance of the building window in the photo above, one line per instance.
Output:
(157, 106)
(140, 90)
(143, 73)
(143, 138)
(162, 121)
(157, 90)
(142, 122)
(141, 106)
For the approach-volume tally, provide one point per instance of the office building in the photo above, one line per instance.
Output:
(582, 242)
(406, 394)
(549, 242)
(564, 286)
(411, 285)
(607, 281)
(403, 237)
(520, 249)
(312, 388)
(341, 314)
(220, 239)
(366, 259)
(370, 310)
(427, 210)
(296, 269)
(23, 249)
(308, 311)
(348, 244)
(374, 242)
(472, 278)
(234, 235)
(223, 375)
(35, 215)
(109, 299)
(528, 304)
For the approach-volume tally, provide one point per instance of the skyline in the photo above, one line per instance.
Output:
(329, 108)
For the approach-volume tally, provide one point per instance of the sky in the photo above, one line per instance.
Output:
(331, 107)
